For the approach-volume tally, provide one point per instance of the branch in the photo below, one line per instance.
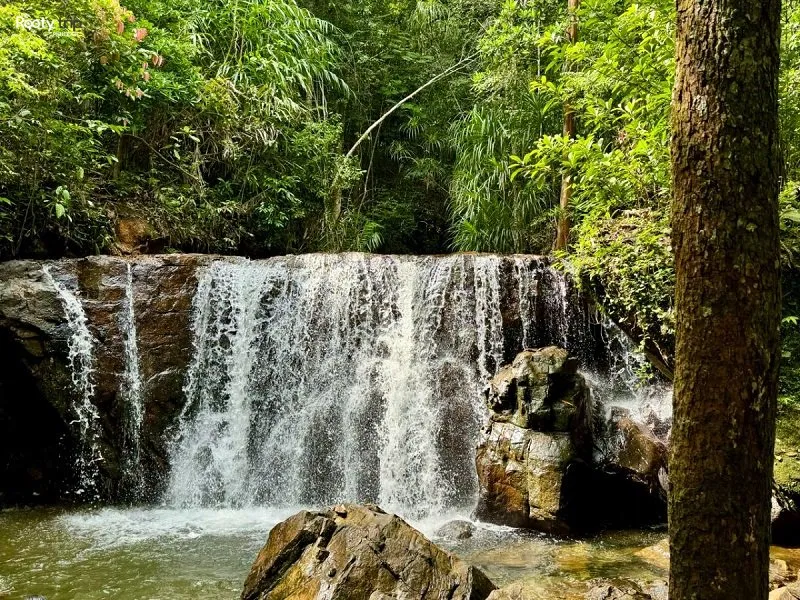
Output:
(383, 117)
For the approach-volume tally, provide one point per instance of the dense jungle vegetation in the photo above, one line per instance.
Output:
(236, 126)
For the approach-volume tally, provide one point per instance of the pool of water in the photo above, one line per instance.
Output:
(164, 554)
(132, 554)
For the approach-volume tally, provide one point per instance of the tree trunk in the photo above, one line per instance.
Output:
(725, 172)
(562, 232)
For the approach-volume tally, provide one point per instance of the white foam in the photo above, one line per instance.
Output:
(111, 527)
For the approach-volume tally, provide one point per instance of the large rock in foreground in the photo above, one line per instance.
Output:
(534, 454)
(356, 552)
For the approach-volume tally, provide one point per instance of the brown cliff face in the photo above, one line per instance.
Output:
(38, 434)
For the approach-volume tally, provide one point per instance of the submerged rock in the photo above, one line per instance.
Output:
(515, 591)
(657, 554)
(624, 589)
(456, 530)
(780, 573)
(357, 552)
(533, 455)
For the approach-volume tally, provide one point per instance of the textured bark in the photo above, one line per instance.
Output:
(562, 231)
(725, 169)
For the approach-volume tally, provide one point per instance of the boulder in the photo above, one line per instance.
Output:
(456, 530)
(541, 390)
(632, 471)
(789, 592)
(779, 573)
(622, 589)
(658, 590)
(354, 552)
(639, 453)
(533, 455)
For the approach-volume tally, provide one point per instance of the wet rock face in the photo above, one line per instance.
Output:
(37, 390)
(632, 477)
(540, 390)
(550, 460)
(357, 553)
(533, 456)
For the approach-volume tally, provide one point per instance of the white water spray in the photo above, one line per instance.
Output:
(131, 382)
(80, 345)
(324, 378)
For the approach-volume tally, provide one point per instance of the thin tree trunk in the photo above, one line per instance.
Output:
(725, 172)
(562, 232)
(449, 71)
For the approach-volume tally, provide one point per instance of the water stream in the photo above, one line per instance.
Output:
(131, 388)
(80, 345)
(205, 554)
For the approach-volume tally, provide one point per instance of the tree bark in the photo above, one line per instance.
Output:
(562, 231)
(725, 172)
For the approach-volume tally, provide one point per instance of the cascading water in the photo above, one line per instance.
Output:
(80, 345)
(624, 384)
(131, 383)
(623, 389)
(322, 378)
(313, 379)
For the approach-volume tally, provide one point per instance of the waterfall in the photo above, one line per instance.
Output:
(323, 378)
(625, 383)
(80, 346)
(131, 389)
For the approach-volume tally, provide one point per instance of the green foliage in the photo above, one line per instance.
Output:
(226, 123)
(197, 113)
(626, 260)
(491, 212)
(619, 87)
(394, 48)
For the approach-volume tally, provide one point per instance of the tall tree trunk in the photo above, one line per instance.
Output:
(725, 173)
(562, 232)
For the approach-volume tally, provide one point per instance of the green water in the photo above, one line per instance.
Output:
(161, 554)
(129, 554)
